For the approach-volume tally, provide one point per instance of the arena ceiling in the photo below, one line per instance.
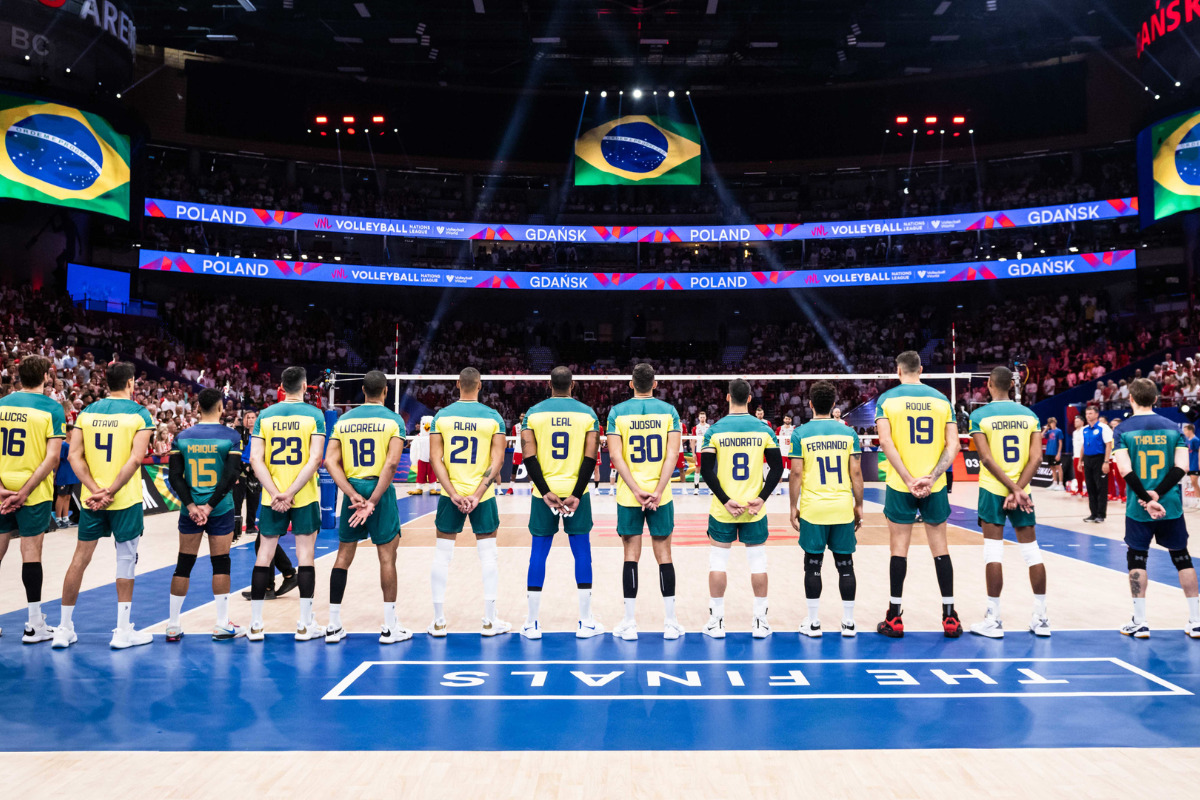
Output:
(725, 44)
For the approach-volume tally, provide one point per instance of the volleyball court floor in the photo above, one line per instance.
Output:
(1080, 713)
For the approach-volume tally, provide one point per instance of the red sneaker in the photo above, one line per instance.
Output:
(952, 625)
(892, 627)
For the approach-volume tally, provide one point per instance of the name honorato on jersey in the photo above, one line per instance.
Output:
(28, 421)
(286, 430)
(825, 448)
(107, 428)
(467, 429)
(643, 424)
(560, 425)
(1008, 427)
(740, 442)
(918, 415)
(363, 435)
(1151, 442)
(204, 448)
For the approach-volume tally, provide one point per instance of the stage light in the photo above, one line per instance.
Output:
(622, 92)
(119, 96)
(585, 92)
(901, 120)
(350, 131)
(942, 131)
(931, 120)
(956, 133)
(1185, 409)
(929, 132)
(655, 93)
(971, 131)
(324, 133)
(310, 130)
(1177, 83)
(959, 120)
(688, 93)
(337, 130)
(637, 94)
(1156, 97)
(604, 94)
(69, 72)
(671, 93)
(915, 131)
(322, 120)
(377, 119)
(348, 120)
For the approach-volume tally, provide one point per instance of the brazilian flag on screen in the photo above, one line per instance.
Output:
(638, 150)
(1175, 153)
(63, 156)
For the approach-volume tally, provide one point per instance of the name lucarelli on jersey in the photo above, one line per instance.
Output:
(363, 427)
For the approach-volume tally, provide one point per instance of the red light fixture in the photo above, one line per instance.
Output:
(324, 133)
(351, 130)
(956, 133)
(901, 120)
(322, 120)
(377, 119)
(929, 133)
(959, 120)
(348, 120)
(931, 120)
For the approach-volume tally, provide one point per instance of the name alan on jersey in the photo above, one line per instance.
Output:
(466, 426)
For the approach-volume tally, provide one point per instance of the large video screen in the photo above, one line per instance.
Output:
(1168, 154)
(93, 284)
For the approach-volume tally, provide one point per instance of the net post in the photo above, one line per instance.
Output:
(953, 365)
(332, 387)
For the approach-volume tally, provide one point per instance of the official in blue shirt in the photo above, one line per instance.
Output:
(1054, 440)
(1193, 446)
(1097, 450)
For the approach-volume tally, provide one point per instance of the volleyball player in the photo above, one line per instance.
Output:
(732, 450)
(699, 433)
(1193, 448)
(1055, 442)
(466, 445)
(285, 451)
(1008, 438)
(108, 444)
(31, 429)
(364, 451)
(919, 436)
(643, 443)
(204, 464)
(560, 439)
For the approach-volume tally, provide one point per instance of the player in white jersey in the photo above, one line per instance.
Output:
(699, 432)
(785, 446)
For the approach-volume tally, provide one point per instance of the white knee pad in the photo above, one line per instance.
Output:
(127, 556)
(718, 559)
(757, 556)
(444, 551)
(1031, 553)
(487, 551)
(993, 551)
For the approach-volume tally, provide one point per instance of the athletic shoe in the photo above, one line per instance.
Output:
(762, 628)
(289, 582)
(435, 491)
(626, 630)
(256, 634)
(1193, 628)
(1039, 625)
(270, 595)
(64, 636)
(41, 632)
(990, 627)
(413, 492)
(811, 628)
(1138, 630)
(307, 631)
(494, 627)
(848, 629)
(672, 629)
(952, 625)
(397, 634)
(588, 628)
(1090, 519)
(715, 627)
(892, 627)
(128, 637)
(334, 635)
(227, 632)
(438, 629)
(530, 630)
(174, 633)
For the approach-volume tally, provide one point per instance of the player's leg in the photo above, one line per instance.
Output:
(36, 629)
(1039, 623)
(578, 528)
(271, 526)
(485, 523)
(543, 524)
(666, 580)
(127, 528)
(993, 557)
(847, 588)
(448, 521)
(337, 587)
(64, 632)
(220, 541)
(756, 556)
(1194, 477)
(944, 568)
(811, 625)
(189, 546)
(1191, 590)
(900, 510)
(392, 631)
(1138, 536)
(632, 545)
(306, 573)
(718, 579)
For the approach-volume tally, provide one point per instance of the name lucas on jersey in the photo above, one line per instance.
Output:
(12, 416)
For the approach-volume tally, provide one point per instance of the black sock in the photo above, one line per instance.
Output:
(945, 579)
(31, 577)
(307, 578)
(847, 583)
(897, 570)
(260, 579)
(629, 576)
(666, 579)
(337, 586)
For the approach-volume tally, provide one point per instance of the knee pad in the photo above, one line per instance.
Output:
(184, 564)
(444, 552)
(718, 559)
(221, 565)
(993, 551)
(1031, 553)
(127, 557)
(813, 562)
(844, 563)
(757, 556)
(1182, 559)
(1136, 559)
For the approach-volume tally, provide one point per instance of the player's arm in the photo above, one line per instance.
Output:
(137, 453)
(795, 481)
(988, 459)
(78, 462)
(50, 463)
(258, 464)
(386, 476)
(177, 478)
(893, 455)
(856, 487)
(316, 450)
(1108, 447)
(674, 444)
(437, 452)
(616, 455)
(708, 471)
(333, 465)
(534, 468)
(496, 468)
(1031, 463)
(229, 476)
(587, 465)
(948, 453)
(774, 457)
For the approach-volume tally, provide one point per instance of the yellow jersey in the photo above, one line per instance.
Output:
(825, 448)
(108, 428)
(286, 430)
(560, 426)
(643, 424)
(1008, 427)
(28, 421)
(467, 429)
(918, 415)
(740, 442)
(363, 435)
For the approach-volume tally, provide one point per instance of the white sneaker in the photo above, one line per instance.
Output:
(991, 627)
(397, 634)
(256, 633)
(762, 628)
(224, 633)
(848, 629)
(530, 630)
(307, 631)
(128, 637)
(438, 628)
(494, 627)
(715, 627)
(1039, 625)
(334, 635)
(1138, 630)
(811, 628)
(41, 632)
(672, 629)
(1193, 628)
(626, 630)
(174, 633)
(64, 636)
(588, 629)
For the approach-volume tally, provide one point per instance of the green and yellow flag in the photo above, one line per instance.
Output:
(1176, 165)
(63, 156)
(638, 150)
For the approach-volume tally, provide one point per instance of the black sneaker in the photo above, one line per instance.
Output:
(269, 596)
(289, 582)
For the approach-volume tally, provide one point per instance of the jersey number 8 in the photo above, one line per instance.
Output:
(741, 466)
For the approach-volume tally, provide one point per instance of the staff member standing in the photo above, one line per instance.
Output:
(1097, 449)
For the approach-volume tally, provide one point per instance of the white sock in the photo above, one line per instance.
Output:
(123, 612)
(306, 613)
(65, 616)
(993, 607)
(256, 613)
(1139, 609)
(669, 607)
(438, 575)
(630, 602)
(535, 603)
(35, 613)
(389, 616)
(585, 605)
(335, 616)
(760, 606)
(894, 601)
(1039, 605)
(176, 608)
(489, 562)
(814, 607)
(222, 603)
(1194, 608)
(716, 606)
(847, 610)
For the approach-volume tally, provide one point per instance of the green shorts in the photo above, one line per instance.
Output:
(730, 532)
(384, 523)
(124, 525)
(544, 522)
(839, 538)
(304, 520)
(661, 522)
(902, 507)
(29, 520)
(992, 511)
(485, 517)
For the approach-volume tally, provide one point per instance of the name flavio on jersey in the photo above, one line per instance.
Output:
(287, 426)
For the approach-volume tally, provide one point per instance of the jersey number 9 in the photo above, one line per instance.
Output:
(560, 445)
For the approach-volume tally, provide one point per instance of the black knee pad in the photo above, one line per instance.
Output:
(1136, 559)
(844, 562)
(1182, 559)
(813, 562)
(183, 567)
(221, 564)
